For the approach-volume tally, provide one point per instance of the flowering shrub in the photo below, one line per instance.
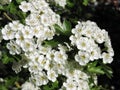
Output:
(54, 54)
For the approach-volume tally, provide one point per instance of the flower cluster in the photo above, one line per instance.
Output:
(28, 86)
(44, 62)
(61, 3)
(38, 27)
(92, 43)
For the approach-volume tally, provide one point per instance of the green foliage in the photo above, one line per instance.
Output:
(6, 58)
(85, 2)
(19, 1)
(93, 68)
(9, 82)
(51, 86)
(70, 3)
(12, 11)
(65, 29)
(51, 43)
(99, 68)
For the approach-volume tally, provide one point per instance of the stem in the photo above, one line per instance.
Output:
(9, 18)
(17, 84)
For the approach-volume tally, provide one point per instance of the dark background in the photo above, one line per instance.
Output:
(108, 17)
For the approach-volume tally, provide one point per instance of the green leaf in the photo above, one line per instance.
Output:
(93, 68)
(85, 2)
(58, 29)
(19, 1)
(55, 84)
(97, 70)
(1, 7)
(2, 87)
(51, 43)
(107, 70)
(96, 88)
(12, 8)
(70, 4)
(65, 30)
(6, 58)
(51, 86)
(67, 27)
(10, 81)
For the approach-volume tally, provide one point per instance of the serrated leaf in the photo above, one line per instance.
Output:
(97, 70)
(51, 43)
(58, 29)
(67, 27)
(65, 30)
(12, 8)
(107, 70)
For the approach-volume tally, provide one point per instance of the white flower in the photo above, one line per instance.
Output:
(19, 38)
(70, 73)
(60, 57)
(88, 32)
(95, 53)
(83, 43)
(46, 20)
(1, 80)
(33, 20)
(60, 68)
(27, 32)
(38, 31)
(83, 85)
(28, 45)
(52, 75)
(49, 65)
(43, 62)
(13, 48)
(38, 5)
(82, 58)
(8, 33)
(50, 54)
(48, 34)
(62, 3)
(44, 50)
(73, 39)
(99, 36)
(25, 6)
(16, 67)
(15, 25)
(107, 58)
(70, 85)
(40, 79)
(28, 86)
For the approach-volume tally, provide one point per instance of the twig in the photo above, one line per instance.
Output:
(9, 18)
(17, 84)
